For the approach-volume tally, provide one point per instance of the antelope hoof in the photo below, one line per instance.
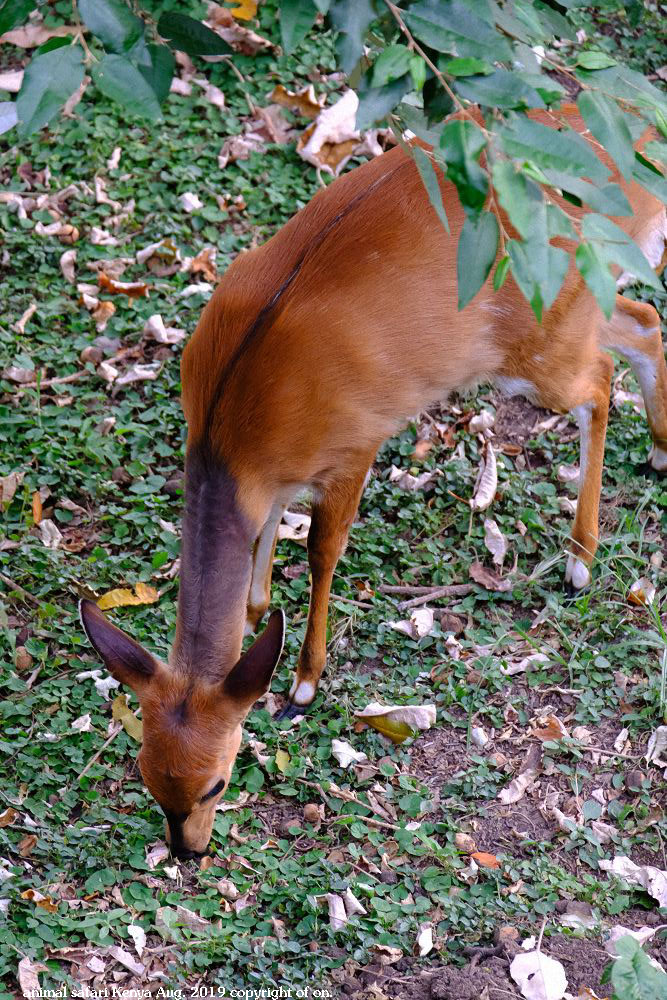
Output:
(300, 696)
(290, 711)
(577, 575)
(657, 458)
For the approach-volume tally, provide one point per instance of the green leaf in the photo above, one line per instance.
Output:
(521, 198)
(161, 70)
(375, 103)
(417, 68)
(453, 27)
(48, 81)
(190, 36)
(627, 85)
(8, 116)
(461, 145)
(650, 179)
(14, 12)
(120, 80)
(437, 102)
(466, 67)
(392, 63)
(609, 199)
(500, 89)
(429, 176)
(595, 59)
(351, 19)
(633, 976)
(567, 151)
(296, 19)
(607, 123)
(617, 247)
(538, 268)
(113, 22)
(501, 272)
(476, 253)
(415, 120)
(657, 151)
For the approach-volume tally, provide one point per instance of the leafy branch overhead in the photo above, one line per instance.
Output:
(459, 74)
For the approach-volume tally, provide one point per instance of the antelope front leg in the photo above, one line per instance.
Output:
(332, 516)
(592, 419)
(259, 596)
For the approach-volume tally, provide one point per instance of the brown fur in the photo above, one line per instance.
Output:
(313, 349)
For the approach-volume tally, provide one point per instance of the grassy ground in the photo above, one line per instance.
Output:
(76, 844)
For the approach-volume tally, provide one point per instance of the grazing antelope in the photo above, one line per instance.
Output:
(314, 349)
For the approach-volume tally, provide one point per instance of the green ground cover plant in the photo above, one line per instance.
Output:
(82, 874)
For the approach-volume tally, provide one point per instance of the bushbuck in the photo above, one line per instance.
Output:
(314, 349)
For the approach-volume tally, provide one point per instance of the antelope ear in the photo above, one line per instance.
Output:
(129, 662)
(251, 677)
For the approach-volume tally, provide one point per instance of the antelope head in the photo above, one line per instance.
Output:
(192, 724)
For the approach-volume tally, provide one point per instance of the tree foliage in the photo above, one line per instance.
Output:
(423, 65)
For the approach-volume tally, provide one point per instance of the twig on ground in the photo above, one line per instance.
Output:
(350, 600)
(8, 582)
(58, 380)
(455, 590)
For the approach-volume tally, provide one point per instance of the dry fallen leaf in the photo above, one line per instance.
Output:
(156, 330)
(345, 753)
(398, 722)
(337, 915)
(488, 578)
(27, 844)
(67, 265)
(294, 527)
(156, 854)
(204, 263)
(245, 9)
(304, 101)
(495, 541)
(654, 880)
(482, 421)
(27, 973)
(642, 592)
(9, 485)
(485, 860)
(121, 712)
(518, 786)
(36, 507)
(333, 137)
(140, 373)
(568, 473)
(133, 289)
(657, 744)
(191, 202)
(538, 976)
(50, 534)
(242, 39)
(487, 480)
(122, 597)
(282, 760)
(424, 942)
(8, 817)
(32, 35)
(102, 313)
(550, 728)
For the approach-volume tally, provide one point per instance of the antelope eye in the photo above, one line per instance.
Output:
(214, 791)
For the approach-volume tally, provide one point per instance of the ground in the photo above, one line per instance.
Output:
(78, 827)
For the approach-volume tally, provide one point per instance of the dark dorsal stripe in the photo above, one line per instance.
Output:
(216, 563)
(259, 323)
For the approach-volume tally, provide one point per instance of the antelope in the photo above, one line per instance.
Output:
(313, 350)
